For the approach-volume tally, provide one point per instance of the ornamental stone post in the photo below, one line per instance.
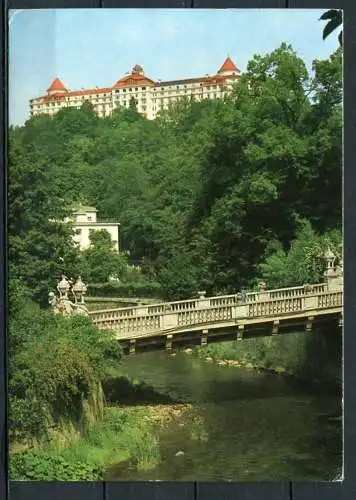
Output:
(333, 274)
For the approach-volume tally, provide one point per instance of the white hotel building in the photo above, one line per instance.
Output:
(150, 96)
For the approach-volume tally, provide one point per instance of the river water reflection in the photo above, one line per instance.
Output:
(258, 426)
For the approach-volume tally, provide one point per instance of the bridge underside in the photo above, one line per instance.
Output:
(203, 335)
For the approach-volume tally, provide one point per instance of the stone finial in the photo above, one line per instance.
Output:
(262, 286)
(79, 288)
(330, 257)
(63, 287)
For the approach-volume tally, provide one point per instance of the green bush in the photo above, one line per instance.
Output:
(40, 466)
(148, 290)
(55, 365)
(304, 262)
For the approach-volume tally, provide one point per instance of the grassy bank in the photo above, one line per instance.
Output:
(124, 434)
(313, 356)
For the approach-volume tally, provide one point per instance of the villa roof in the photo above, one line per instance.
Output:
(80, 209)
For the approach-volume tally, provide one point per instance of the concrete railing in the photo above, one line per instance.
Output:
(165, 318)
(203, 303)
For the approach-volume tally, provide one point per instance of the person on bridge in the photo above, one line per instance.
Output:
(243, 295)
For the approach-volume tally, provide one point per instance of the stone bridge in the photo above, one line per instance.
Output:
(267, 312)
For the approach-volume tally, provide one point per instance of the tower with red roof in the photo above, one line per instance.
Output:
(56, 87)
(228, 68)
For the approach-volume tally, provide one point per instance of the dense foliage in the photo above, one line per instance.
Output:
(55, 364)
(143, 290)
(200, 192)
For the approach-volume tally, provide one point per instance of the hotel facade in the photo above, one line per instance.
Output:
(150, 96)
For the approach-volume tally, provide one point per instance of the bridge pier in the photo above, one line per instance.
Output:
(240, 332)
(169, 341)
(204, 337)
(309, 323)
(132, 348)
(275, 327)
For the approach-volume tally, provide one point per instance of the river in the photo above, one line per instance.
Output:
(256, 426)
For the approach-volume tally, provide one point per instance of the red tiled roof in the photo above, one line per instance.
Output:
(89, 91)
(228, 65)
(133, 79)
(55, 97)
(136, 79)
(220, 78)
(56, 85)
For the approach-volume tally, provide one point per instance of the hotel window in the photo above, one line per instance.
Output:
(143, 88)
(124, 90)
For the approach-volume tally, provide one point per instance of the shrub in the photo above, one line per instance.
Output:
(39, 466)
(149, 290)
(55, 365)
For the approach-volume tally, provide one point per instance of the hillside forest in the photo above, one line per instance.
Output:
(213, 195)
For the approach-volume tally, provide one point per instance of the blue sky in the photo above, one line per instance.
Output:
(95, 47)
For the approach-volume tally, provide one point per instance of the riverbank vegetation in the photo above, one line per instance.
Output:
(119, 436)
(65, 390)
(314, 357)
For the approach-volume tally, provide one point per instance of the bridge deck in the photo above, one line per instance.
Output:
(213, 313)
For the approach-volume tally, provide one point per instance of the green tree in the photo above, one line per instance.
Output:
(178, 279)
(40, 245)
(133, 104)
(101, 261)
(334, 18)
(303, 262)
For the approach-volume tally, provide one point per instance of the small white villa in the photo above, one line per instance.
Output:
(85, 220)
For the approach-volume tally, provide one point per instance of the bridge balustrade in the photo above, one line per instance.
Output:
(275, 307)
(204, 316)
(165, 317)
(331, 299)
